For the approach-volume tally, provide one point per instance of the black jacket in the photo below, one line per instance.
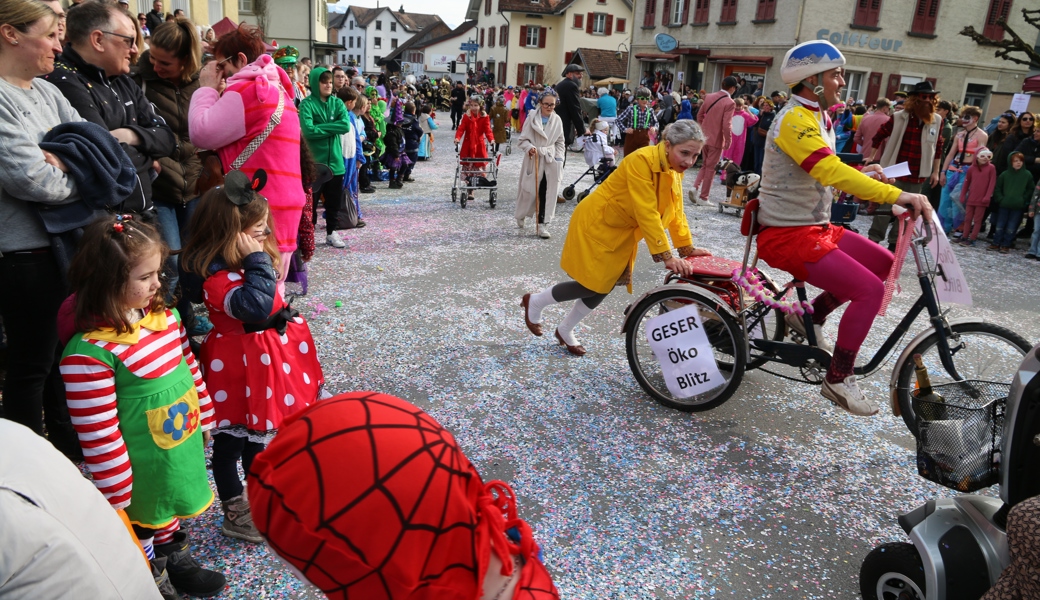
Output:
(569, 109)
(114, 103)
(1031, 149)
(458, 98)
(154, 19)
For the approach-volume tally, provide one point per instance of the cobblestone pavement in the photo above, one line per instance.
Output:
(775, 494)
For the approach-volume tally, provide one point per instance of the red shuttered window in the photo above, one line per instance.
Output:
(766, 10)
(650, 14)
(621, 25)
(579, 21)
(729, 11)
(997, 9)
(481, 38)
(700, 11)
(610, 25)
(491, 37)
(924, 17)
(867, 13)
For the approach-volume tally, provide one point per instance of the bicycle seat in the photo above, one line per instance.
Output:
(749, 221)
(714, 267)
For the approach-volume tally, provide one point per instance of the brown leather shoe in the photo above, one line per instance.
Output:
(578, 350)
(536, 328)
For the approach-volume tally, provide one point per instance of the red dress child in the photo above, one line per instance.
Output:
(256, 376)
(477, 132)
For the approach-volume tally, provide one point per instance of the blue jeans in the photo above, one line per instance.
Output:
(1034, 243)
(174, 220)
(1008, 220)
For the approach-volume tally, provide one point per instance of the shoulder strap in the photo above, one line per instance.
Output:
(276, 118)
(707, 110)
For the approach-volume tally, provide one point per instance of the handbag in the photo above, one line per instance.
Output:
(213, 171)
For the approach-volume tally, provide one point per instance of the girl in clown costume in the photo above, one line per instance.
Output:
(259, 360)
(135, 394)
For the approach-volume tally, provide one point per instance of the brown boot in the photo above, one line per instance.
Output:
(238, 521)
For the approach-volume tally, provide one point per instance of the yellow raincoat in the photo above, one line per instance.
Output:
(638, 201)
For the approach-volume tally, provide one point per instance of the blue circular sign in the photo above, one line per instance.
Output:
(665, 42)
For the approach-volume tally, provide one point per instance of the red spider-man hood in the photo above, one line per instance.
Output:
(369, 497)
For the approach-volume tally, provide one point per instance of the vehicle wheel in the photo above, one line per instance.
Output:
(454, 194)
(492, 197)
(724, 334)
(892, 572)
(568, 193)
(509, 150)
(582, 196)
(982, 351)
(463, 198)
(720, 208)
(764, 323)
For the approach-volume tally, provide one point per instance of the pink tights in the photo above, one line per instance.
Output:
(855, 273)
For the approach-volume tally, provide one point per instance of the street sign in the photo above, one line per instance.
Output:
(468, 47)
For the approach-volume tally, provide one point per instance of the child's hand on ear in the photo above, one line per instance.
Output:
(247, 244)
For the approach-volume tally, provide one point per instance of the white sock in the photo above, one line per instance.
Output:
(537, 303)
(578, 312)
(149, 549)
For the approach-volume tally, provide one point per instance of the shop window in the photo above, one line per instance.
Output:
(867, 14)
(997, 9)
(976, 95)
(700, 12)
(924, 17)
(729, 11)
(854, 86)
(766, 10)
(621, 25)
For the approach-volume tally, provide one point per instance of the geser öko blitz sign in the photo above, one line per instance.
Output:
(859, 40)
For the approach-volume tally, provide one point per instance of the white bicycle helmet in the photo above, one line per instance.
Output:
(808, 59)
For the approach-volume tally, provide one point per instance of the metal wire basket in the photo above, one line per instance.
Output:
(958, 441)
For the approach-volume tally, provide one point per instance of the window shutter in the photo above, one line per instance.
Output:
(487, 7)
(729, 11)
(520, 73)
(621, 26)
(893, 86)
(868, 12)
(997, 9)
(666, 9)
(766, 10)
(541, 44)
(579, 21)
(610, 25)
(649, 16)
(482, 38)
(491, 37)
(523, 35)
(700, 14)
(567, 56)
(539, 73)
(686, 11)
(588, 23)
(873, 88)
(503, 38)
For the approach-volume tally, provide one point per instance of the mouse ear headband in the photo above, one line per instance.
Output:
(242, 190)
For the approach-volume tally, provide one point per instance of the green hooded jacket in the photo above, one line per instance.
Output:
(322, 123)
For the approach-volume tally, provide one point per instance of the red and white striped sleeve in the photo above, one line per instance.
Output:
(90, 390)
(206, 420)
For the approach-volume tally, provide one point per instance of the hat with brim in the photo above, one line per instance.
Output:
(922, 87)
(286, 56)
(573, 68)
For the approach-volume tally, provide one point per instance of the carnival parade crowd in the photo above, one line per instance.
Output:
(161, 185)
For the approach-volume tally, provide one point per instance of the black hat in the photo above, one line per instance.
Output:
(573, 68)
(923, 87)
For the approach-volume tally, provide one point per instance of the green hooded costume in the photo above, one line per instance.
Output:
(378, 113)
(322, 123)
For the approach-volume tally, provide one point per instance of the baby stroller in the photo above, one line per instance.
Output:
(599, 156)
(470, 175)
(741, 185)
(983, 434)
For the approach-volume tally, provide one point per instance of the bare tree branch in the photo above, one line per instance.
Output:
(1006, 47)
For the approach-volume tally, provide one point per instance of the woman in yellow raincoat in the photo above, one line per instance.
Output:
(637, 202)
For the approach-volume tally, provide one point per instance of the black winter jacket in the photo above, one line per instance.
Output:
(412, 133)
(114, 103)
(569, 109)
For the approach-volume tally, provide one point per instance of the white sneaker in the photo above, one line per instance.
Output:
(847, 395)
(520, 222)
(334, 240)
(794, 321)
(704, 202)
(542, 232)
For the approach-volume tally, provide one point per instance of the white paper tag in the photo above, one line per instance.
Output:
(896, 171)
(684, 352)
(954, 288)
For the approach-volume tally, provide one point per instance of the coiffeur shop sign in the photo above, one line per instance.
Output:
(859, 40)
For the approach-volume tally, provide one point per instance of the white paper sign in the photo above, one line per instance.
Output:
(954, 288)
(1020, 103)
(684, 352)
(896, 171)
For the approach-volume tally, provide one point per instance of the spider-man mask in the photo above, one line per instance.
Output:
(369, 497)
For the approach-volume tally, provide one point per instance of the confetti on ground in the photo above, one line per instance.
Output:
(775, 494)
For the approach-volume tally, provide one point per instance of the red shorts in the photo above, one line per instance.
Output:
(789, 248)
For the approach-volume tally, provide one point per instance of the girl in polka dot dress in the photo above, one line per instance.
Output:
(259, 360)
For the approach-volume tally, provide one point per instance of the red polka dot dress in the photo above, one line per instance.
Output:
(256, 379)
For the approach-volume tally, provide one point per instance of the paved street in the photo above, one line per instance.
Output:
(776, 494)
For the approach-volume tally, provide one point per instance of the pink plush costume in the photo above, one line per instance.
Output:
(735, 152)
(227, 122)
